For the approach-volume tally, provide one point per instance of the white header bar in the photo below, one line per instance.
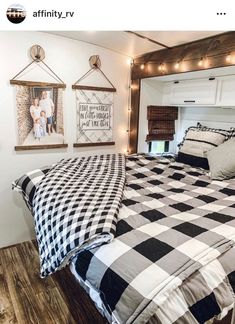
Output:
(122, 15)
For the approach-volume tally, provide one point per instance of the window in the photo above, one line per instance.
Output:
(159, 147)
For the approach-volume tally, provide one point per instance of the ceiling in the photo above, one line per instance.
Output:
(132, 45)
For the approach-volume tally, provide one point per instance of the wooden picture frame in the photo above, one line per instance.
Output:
(84, 134)
(39, 110)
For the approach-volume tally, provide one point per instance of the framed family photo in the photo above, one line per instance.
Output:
(39, 115)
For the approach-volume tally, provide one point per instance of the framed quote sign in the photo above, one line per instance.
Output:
(94, 117)
(94, 110)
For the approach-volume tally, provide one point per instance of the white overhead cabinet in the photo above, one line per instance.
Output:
(190, 92)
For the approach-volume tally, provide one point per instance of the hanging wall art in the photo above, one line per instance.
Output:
(39, 109)
(94, 110)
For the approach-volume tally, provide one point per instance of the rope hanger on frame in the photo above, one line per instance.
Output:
(95, 64)
(37, 54)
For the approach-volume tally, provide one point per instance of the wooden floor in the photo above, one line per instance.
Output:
(25, 298)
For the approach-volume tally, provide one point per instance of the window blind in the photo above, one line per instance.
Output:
(161, 123)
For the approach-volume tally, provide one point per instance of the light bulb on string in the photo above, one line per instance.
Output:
(177, 65)
(206, 63)
(161, 67)
(130, 61)
(228, 58)
(142, 66)
(200, 63)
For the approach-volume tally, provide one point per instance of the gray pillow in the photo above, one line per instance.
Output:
(222, 161)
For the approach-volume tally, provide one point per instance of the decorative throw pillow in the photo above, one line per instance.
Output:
(199, 125)
(222, 161)
(197, 142)
(232, 132)
(26, 185)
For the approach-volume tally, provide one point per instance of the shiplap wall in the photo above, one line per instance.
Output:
(150, 95)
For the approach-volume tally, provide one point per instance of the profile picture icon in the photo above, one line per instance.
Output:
(16, 13)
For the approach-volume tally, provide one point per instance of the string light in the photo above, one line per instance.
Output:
(129, 109)
(177, 65)
(161, 67)
(130, 61)
(200, 63)
(204, 62)
(228, 58)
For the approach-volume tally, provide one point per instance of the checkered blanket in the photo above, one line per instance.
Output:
(174, 225)
(75, 206)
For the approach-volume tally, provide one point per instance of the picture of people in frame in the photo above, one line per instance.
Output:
(40, 115)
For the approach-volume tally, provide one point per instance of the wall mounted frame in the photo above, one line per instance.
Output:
(94, 110)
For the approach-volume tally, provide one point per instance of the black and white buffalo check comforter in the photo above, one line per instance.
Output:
(75, 206)
(173, 257)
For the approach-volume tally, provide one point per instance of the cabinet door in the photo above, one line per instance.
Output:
(198, 92)
(227, 93)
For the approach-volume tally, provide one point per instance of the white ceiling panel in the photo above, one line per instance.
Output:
(174, 38)
(117, 41)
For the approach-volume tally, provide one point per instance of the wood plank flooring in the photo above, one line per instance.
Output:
(25, 298)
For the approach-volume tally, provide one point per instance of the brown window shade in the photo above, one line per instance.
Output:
(161, 123)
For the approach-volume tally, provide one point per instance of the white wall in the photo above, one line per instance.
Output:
(150, 94)
(69, 59)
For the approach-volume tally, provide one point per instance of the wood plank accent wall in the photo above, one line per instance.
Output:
(219, 45)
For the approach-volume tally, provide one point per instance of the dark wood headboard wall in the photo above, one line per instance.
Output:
(213, 49)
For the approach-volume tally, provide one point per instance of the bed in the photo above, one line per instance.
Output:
(166, 255)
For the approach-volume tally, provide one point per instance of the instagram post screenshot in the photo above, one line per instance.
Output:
(117, 155)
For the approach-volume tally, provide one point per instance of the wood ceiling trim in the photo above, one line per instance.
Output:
(214, 47)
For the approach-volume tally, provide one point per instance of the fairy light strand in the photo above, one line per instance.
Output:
(203, 61)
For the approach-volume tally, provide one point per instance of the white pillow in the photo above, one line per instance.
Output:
(222, 161)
